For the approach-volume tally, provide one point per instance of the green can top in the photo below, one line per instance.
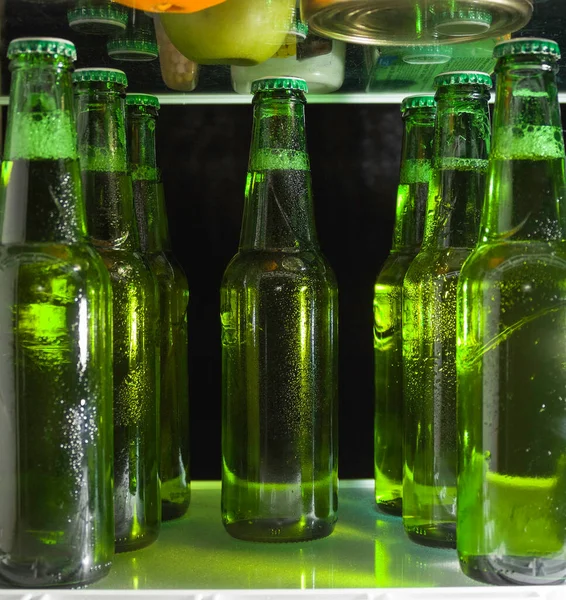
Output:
(42, 45)
(279, 83)
(520, 46)
(418, 101)
(456, 78)
(103, 75)
(142, 100)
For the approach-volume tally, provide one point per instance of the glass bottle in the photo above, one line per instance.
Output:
(461, 148)
(99, 95)
(56, 520)
(149, 203)
(419, 116)
(279, 341)
(511, 331)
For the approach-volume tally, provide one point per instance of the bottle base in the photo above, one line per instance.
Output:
(514, 570)
(435, 535)
(280, 530)
(392, 507)
(129, 545)
(173, 510)
(35, 575)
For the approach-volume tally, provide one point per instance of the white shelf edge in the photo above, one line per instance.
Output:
(337, 98)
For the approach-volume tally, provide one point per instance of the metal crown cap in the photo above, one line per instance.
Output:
(142, 100)
(418, 101)
(42, 45)
(520, 46)
(103, 75)
(456, 78)
(279, 83)
(113, 13)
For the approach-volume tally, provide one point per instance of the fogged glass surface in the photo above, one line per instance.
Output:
(126, 39)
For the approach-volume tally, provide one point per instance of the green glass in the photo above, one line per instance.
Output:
(151, 216)
(56, 519)
(279, 312)
(511, 332)
(461, 147)
(419, 117)
(100, 95)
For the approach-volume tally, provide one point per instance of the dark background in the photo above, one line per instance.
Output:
(355, 153)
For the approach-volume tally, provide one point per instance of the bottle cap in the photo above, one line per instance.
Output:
(142, 100)
(418, 101)
(103, 75)
(42, 45)
(463, 22)
(279, 83)
(455, 78)
(125, 49)
(527, 46)
(98, 20)
(427, 55)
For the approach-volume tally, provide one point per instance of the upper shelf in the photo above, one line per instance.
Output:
(359, 73)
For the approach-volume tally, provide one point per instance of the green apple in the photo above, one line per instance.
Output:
(237, 32)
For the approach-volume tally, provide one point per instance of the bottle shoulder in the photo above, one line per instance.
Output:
(436, 263)
(249, 267)
(126, 267)
(395, 268)
(511, 260)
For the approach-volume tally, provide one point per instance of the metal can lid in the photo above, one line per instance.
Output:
(279, 83)
(456, 78)
(103, 75)
(519, 46)
(42, 45)
(418, 101)
(142, 100)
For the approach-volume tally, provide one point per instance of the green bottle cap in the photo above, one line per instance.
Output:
(99, 20)
(434, 54)
(142, 100)
(463, 78)
(527, 46)
(418, 101)
(103, 75)
(42, 45)
(463, 22)
(279, 83)
(122, 48)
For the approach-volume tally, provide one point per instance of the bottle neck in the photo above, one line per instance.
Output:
(412, 194)
(459, 169)
(103, 156)
(278, 210)
(41, 187)
(146, 179)
(526, 185)
(141, 139)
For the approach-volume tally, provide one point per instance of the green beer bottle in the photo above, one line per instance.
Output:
(511, 337)
(151, 216)
(56, 519)
(418, 116)
(100, 95)
(279, 341)
(461, 148)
